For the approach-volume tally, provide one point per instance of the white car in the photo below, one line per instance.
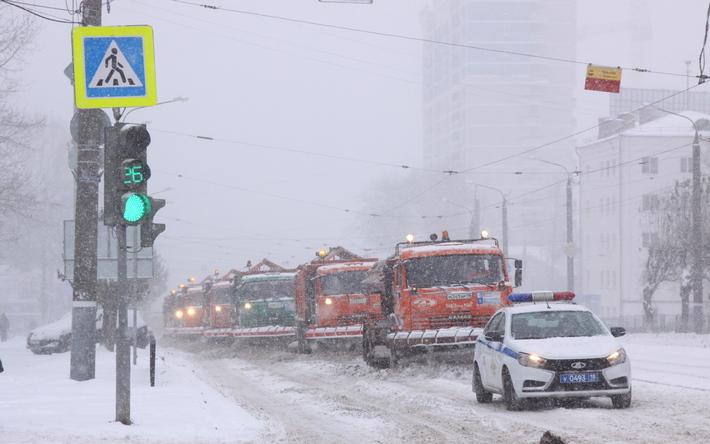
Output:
(545, 346)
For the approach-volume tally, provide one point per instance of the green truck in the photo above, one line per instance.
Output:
(266, 299)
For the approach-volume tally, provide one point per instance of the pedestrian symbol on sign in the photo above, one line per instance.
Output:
(114, 66)
(114, 70)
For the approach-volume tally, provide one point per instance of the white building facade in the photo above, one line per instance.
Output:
(623, 177)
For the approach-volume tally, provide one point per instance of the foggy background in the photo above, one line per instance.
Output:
(272, 92)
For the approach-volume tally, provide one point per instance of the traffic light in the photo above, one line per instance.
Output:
(126, 174)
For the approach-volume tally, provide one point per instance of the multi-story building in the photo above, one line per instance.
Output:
(624, 174)
(482, 105)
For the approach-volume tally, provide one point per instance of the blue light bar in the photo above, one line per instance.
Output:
(535, 296)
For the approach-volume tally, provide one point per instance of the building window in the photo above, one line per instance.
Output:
(649, 165)
(686, 164)
(650, 202)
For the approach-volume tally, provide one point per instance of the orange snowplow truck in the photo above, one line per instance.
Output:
(437, 295)
(330, 302)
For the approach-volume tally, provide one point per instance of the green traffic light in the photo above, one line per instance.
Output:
(135, 207)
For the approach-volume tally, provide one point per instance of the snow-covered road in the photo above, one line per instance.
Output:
(337, 398)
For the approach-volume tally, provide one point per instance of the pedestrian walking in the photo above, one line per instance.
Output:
(4, 327)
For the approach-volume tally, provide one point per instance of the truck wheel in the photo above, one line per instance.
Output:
(621, 401)
(482, 395)
(512, 402)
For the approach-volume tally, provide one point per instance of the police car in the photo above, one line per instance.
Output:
(545, 346)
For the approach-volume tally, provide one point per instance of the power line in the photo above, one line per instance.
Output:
(37, 14)
(301, 151)
(569, 136)
(411, 38)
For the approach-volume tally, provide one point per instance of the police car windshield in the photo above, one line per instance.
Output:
(266, 289)
(347, 282)
(555, 324)
(454, 269)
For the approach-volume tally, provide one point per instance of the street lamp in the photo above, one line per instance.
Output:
(504, 212)
(173, 100)
(475, 216)
(696, 249)
(569, 251)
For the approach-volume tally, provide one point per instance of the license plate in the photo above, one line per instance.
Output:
(578, 378)
(275, 305)
(358, 300)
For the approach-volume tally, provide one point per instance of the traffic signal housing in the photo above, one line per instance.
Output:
(126, 174)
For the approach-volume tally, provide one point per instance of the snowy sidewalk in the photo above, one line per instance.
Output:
(40, 404)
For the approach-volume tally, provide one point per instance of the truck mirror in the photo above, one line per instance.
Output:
(518, 264)
(518, 277)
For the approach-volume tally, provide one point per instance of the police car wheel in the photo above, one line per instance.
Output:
(621, 401)
(512, 402)
(482, 395)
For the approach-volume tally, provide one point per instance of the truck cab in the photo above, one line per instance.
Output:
(220, 305)
(190, 307)
(436, 295)
(266, 299)
(339, 295)
(448, 284)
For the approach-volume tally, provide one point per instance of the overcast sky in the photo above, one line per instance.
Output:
(266, 82)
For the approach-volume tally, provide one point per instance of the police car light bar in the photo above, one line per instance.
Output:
(539, 296)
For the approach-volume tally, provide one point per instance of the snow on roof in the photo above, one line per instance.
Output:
(670, 125)
(346, 266)
(529, 307)
(448, 247)
(273, 276)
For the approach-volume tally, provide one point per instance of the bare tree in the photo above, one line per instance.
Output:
(17, 197)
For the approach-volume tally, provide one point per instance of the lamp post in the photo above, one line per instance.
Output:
(173, 100)
(569, 250)
(504, 212)
(474, 229)
(696, 243)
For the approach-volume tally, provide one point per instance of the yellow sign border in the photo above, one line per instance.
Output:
(81, 99)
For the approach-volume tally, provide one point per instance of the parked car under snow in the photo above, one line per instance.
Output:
(56, 336)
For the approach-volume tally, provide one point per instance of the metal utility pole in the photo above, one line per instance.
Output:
(123, 345)
(87, 126)
(569, 248)
(697, 239)
(504, 213)
(696, 231)
(570, 234)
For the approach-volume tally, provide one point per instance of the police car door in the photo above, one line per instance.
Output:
(497, 355)
(486, 352)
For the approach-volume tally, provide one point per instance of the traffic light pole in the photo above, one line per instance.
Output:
(123, 345)
(83, 344)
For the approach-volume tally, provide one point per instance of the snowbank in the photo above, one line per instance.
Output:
(40, 404)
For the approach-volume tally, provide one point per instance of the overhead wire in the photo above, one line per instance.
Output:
(37, 14)
(408, 37)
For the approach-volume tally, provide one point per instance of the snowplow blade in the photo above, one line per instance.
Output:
(272, 331)
(344, 332)
(185, 331)
(445, 337)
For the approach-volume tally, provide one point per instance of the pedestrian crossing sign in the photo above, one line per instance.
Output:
(114, 66)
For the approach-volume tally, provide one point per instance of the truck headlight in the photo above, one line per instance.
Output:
(618, 357)
(218, 308)
(191, 311)
(179, 314)
(247, 306)
(531, 360)
(328, 301)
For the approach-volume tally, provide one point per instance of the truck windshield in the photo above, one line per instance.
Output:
(436, 271)
(555, 324)
(194, 300)
(266, 290)
(221, 296)
(347, 282)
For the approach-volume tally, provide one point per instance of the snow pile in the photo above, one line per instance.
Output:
(41, 404)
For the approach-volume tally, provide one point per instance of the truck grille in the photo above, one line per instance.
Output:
(460, 319)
